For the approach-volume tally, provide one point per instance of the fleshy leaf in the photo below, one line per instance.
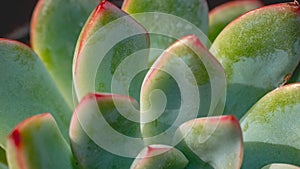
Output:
(259, 154)
(159, 157)
(222, 15)
(258, 51)
(168, 20)
(26, 89)
(37, 143)
(215, 140)
(111, 50)
(185, 82)
(55, 28)
(281, 166)
(275, 118)
(101, 136)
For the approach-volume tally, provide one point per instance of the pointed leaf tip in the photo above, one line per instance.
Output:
(185, 73)
(159, 156)
(106, 48)
(215, 140)
(29, 142)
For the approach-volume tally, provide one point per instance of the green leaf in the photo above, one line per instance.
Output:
(222, 15)
(272, 128)
(55, 28)
(101, 135)
(169, 20)
(275, 118)
(3, 156)
(159, 157)
(258, 51)
(259, 154)
(185, 82)
(3, 161)
(37, 143)
(295, 76)
(26, 89)
(215, 140)
(2, 166)
(110, 44)
(280, 166)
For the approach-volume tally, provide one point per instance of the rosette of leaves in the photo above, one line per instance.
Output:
(130, 111)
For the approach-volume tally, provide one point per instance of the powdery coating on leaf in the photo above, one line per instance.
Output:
(247, 36)
(275, 118)
(216, 140)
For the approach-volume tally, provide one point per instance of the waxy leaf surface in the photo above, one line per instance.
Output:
(111, 50)
(185, 82)
(260, 154)
(271, 128)
(159, 156)
(168, 20)
(275, 118)
(259, 51)
(222, 15)
(55, 28)
(215, 140)
(36, 143)
(101, 136)
(27, 89)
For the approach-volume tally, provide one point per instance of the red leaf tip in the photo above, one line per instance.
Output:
(16, 137)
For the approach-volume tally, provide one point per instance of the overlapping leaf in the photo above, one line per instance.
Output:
(168, 20)
(216, 140)
(185, 82)
(37, 143)
(26, 89)
(271, 128)
(159, 156)
(258, 51)
(55, 28)
(101, 136)
(222, 15)
(110, 43)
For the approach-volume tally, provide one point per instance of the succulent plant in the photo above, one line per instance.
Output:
(143, 87)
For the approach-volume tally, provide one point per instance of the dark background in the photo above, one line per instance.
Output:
(15, 16)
